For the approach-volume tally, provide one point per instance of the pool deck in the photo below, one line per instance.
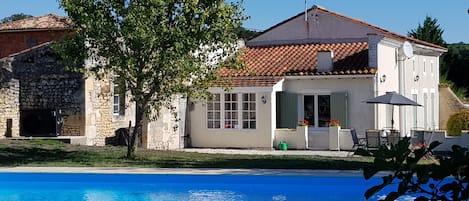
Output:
(272, 152)
(196, 171)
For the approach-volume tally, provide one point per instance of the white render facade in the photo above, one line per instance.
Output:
(416, 77)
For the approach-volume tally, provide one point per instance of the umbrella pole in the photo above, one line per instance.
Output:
(392, 117)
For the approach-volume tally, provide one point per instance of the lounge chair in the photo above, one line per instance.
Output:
(357, 142)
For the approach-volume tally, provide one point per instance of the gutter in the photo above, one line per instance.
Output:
(317, 77)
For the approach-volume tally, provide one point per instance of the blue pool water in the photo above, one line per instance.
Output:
(151, 187)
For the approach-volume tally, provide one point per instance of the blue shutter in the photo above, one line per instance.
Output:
(287, 113)
(339, 108)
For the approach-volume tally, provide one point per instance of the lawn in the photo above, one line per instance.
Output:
(57, 154)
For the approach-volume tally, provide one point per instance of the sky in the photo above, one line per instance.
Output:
(399, 16)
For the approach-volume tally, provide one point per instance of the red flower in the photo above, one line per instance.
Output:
(303, 122)
(334, 122)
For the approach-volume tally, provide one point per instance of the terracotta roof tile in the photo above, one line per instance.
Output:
(250, 81)
(49, 21)
(301, 59)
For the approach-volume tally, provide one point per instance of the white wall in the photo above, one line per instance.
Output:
(320, 26)
(422, 76)
(360, 114)
(261, 137)
(388, 67)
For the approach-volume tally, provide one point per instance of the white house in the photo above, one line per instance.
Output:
(319, 67)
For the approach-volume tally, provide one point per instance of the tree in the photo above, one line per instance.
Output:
(14, 17)
(159, 48)
(246, 33)
(447, 178)
(430, 31)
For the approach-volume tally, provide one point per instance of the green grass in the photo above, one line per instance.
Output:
(57, 154)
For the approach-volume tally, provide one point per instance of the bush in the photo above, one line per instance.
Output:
(457, 122)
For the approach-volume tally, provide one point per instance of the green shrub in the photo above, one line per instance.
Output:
(457, 122)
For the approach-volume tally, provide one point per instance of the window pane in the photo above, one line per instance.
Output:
(234, 97)
(217, 124)
(324, 110)
(245, 97)
(253, 124)
(217, 116)
(227, 106)
(245, 106)
(245, 115)
(234, 106)
(234, 115)
(252, 106)
(309, 109)
(252, 116)
(253, 97)
(209, 115)
(210, 124)
(209, 106)
(227, 97)
(227, 115)
(217, 106)
(245, 124)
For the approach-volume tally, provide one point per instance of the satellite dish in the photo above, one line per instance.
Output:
(407, 49)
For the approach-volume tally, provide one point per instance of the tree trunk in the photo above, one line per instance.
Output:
(139, 115)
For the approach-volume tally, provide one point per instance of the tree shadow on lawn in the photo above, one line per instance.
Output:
(18, 156)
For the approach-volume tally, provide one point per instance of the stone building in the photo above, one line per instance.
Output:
(36, 91)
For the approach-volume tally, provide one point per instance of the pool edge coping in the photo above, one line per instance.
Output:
(196, 171)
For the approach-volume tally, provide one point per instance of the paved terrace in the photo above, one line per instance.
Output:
(271, 152)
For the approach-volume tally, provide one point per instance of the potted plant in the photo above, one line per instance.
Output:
(303, 122)
(334, 123)
(334, 137)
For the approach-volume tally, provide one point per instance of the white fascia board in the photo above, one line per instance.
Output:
(278, 86)
(318, 77)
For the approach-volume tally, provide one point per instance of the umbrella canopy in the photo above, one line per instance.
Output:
(392, 98)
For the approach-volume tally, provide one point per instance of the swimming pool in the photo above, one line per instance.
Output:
(171, 187)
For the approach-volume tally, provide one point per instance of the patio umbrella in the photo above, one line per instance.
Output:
(392, 98)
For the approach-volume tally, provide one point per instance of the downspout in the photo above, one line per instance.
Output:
(400, 67)
(375, 93)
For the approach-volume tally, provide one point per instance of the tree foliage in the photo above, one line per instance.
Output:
(246, 34)
(455, 67)
(457, 122)
(14, 17)
(159, 48)
(446, 179)
(430, 31)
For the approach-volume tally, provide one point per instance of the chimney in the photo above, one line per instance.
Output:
(325, 59)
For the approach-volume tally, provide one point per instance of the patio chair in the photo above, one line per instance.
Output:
(357, 142)
(373, 138)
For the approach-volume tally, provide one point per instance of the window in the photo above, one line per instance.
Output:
(317, 110)
(231, 110)
(213, 111)
(425, 106)
(249, 111)
(234, 110)
(414, 97)
(432, 100)
(118, 97)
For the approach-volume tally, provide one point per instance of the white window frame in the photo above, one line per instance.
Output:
(301, 103)
(116, 107)
(214, 110)
(239, 110)
(251, 99)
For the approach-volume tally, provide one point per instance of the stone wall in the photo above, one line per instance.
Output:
(165, 132)
(45, 85)
(9, 102)
(449, 104)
